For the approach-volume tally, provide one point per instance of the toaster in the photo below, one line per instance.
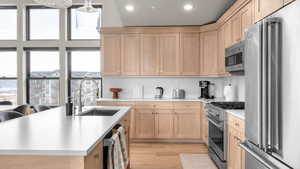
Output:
(178, 94)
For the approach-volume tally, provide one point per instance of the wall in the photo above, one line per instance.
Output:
(132, 86)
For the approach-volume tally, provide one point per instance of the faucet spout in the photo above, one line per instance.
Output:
(80, 91)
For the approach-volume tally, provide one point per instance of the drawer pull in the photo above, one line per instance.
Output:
(96, 156)
(237, 124)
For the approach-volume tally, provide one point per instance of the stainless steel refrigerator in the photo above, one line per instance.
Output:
(272, 71)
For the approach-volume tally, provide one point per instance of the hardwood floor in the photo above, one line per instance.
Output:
(161, 155)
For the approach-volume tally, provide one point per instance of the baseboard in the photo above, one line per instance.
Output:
(165, 141)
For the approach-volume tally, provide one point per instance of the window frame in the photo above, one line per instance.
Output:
(28, 71)
(69, 71)
(11, 7)
(13, 49)
(69, 22)
(27, 22)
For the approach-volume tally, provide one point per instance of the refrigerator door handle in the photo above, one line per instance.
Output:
(263, 161)
(273, 129)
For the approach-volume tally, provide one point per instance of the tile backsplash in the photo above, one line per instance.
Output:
(133, 87)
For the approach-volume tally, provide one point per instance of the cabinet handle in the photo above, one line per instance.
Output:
(96, 156)
(237, 124)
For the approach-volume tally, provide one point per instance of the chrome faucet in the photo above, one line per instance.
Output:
(80, 91)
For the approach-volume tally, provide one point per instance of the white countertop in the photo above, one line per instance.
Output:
(237, 113)
(53, 133)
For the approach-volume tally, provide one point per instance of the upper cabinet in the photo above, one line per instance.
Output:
(221, 50)
(190, 53)
(247, 18)
(209, 54)
(149, 55)
(169, 54)
(131, 54)
(228, 34)
(111, 54)
(236, 28)
(264, 8)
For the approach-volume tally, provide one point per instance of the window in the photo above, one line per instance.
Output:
(8, 75)
(43, 76)
(8, 24)
(84, 63)
(42, 23)
(84, 25)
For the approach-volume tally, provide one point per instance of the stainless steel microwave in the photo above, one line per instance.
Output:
(234, 57)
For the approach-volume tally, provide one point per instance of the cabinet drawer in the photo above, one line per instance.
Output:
(163, 105)
(186, 105)
(131, 104)
(145, 105)
(236, 123)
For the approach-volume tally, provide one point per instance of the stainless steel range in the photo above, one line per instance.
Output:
(217, 130)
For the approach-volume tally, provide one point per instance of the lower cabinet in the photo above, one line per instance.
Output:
(164, 124)
(95, 159)
(144, 123)
(204, 126)
(187, 124)
(236, 155)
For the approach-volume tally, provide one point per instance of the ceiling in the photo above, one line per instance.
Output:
(171, 12)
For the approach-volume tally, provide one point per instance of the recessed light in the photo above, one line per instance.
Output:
(188, 7)
(129, 8)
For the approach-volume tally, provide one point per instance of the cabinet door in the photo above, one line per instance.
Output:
(209, 54)
(189, 53)
(221, 51)
(228, 34)
(187, 124)
(144, 123)
(111, 54)
(131, 54)
(232, 150)
(264, 8)
(95, 159)
(150, 55)
(236, 27)
(247, 18)
(164, 126)
(204, 127)
(286, 2)
(169, 54)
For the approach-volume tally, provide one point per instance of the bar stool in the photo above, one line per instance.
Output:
(9, 115)
(5, 103)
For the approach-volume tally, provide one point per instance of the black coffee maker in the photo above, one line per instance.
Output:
(204, 87)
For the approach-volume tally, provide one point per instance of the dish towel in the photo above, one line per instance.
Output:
(123, 142)
(115, 155)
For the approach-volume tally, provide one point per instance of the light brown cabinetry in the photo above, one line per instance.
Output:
(169, 54)
(144, 123)
(209, 54)
(164, 124)
(247, 18)
(189, 53)
(131, 54)
(286, 2)
(228, 34)
(236, 132)
(221, 50)
(236, 28)
(204, 127)
(264, 8)
(111, 63)
(149, 54)
(95, 159)
(187, 124)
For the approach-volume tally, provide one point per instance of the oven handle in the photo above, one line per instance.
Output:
(215, 122)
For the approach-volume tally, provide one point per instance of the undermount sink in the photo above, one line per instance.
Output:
(99, 112)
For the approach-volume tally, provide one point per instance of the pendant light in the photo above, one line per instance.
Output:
(61, 4)
(87, 8)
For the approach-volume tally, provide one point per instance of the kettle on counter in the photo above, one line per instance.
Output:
(159, 92)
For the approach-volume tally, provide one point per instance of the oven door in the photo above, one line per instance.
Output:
(216, 135)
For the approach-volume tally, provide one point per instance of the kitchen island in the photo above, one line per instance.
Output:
(52, 140)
